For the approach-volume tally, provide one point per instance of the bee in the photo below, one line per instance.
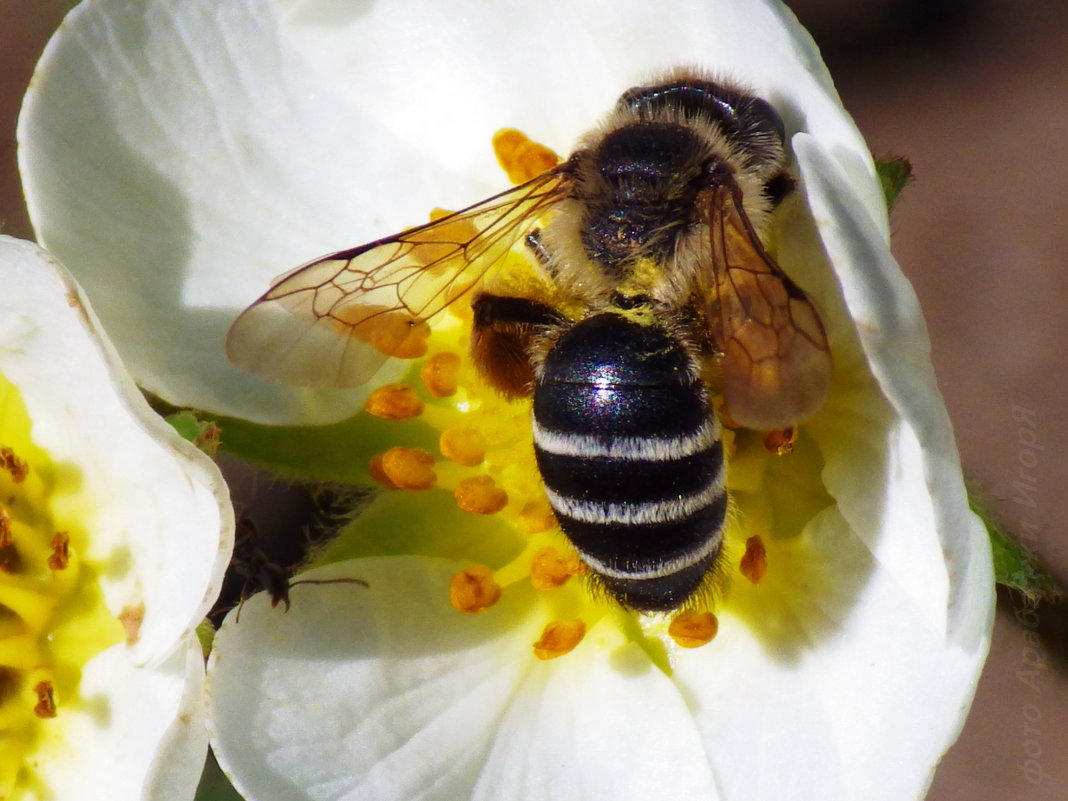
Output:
(655, 296)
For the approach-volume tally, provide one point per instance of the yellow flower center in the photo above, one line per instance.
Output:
(52, 615)
(485, 458)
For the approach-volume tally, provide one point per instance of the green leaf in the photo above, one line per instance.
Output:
(895, 173)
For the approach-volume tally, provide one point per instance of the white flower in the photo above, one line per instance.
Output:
(114, 534)
(180, 155)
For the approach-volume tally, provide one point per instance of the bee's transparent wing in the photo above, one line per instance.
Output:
(776, 364)
(334, 321)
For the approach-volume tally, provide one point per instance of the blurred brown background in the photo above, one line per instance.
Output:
(975, 94)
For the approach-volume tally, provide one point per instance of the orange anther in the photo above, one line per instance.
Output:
(46, 700)
(521, 158)
(473, 590)
(559, 638)
(691, 629)
(394, 333)
(550, 569)
(780, 441)
(440, 244)
(441, 374)
(16, 467)
(480, 495)
(378, 475)
(466, 446)
(6, 538)
(404, 468)
(536, 516)
(754, 562)
(60, 556)
(394, 402)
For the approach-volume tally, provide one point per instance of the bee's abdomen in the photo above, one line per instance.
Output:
(630, 454)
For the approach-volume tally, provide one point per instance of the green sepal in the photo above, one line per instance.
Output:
(1014, 566)
(206, 634)
(895, 173)
(191, 427)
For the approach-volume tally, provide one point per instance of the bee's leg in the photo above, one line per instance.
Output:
(504, 330)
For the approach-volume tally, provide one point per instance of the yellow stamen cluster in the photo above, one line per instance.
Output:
(52, 617)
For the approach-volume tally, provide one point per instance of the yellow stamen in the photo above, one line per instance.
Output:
(520, 157)
(558, 638)
(441, 374)
(466, 446)
(692, 629)
(754, 562)
(404, 468)
(480, 495)
(550, 569)
(394, 402)
(780, 441)
(473, 590)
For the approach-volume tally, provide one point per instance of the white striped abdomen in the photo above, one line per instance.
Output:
(630, 453)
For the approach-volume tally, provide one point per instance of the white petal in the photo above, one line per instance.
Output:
(175, 158)
(388, 692)
(926, 490)
(175, 201)
(140, 733)
(597, 723)
(360, 692)
(848, 693)
(556, 68)
(156, 509)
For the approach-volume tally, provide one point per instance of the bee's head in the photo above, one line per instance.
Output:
(751, 124)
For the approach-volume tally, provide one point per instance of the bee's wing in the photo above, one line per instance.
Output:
(776, 364)
(334, 321)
